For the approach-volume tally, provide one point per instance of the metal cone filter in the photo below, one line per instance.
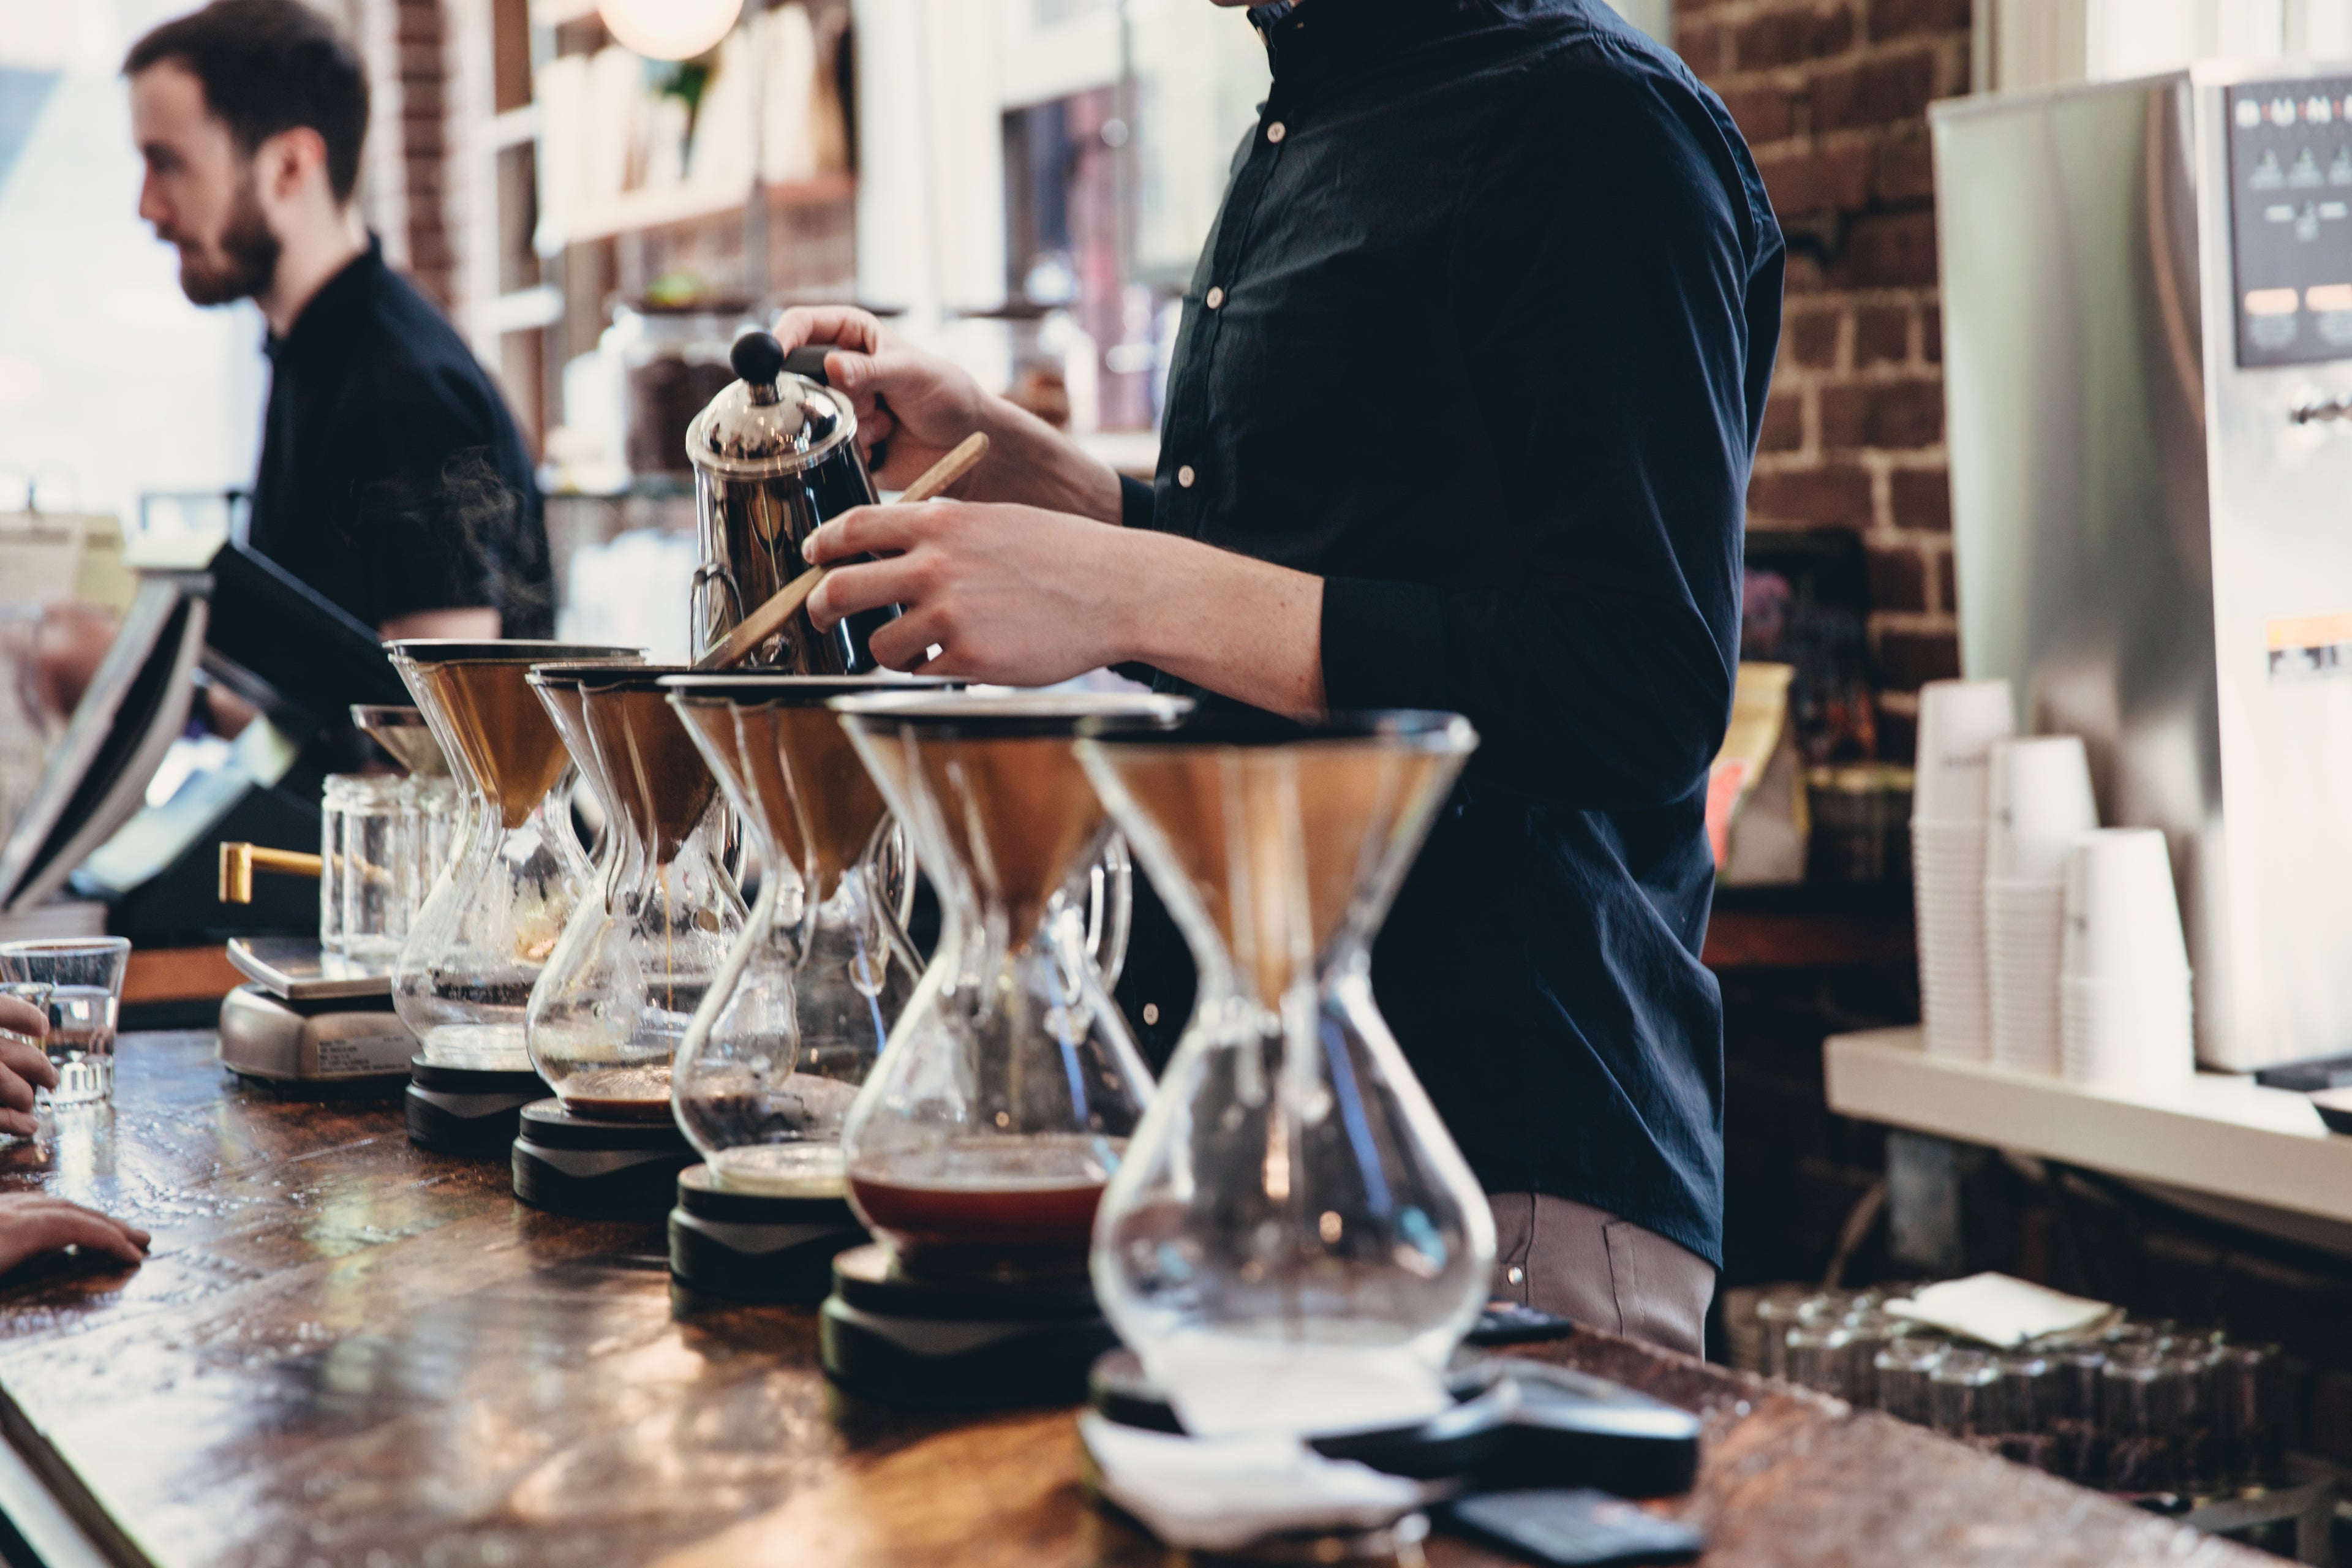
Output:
(996, 783)
(403, 732)
(661, 785)
(788, 766)
(478, 696)
(1287, 845)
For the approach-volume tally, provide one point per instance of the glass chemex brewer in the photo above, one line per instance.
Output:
(803, 1002)
(1292, 1238)
(478, 945)
(636, 958)
(978, 1149)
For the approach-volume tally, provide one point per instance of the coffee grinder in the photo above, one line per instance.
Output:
(484, 933)
(635, 959)
(978, 1147)
(803, 1004)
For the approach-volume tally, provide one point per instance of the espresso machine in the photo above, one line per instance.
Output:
(2148, 328)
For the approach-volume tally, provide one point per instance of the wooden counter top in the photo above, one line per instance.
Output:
(347, 1352)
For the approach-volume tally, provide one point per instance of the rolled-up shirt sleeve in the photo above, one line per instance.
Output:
(1600, 313)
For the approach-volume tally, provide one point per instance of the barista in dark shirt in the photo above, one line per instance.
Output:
(1465, 398)
(393, 479)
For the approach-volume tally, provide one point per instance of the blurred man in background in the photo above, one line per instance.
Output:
(392, 478)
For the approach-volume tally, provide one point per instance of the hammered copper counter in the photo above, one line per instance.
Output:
(347, 1352)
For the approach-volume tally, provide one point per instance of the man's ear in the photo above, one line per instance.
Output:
(286, 162)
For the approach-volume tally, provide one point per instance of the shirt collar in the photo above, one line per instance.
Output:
(1308, 44)
(328, 318)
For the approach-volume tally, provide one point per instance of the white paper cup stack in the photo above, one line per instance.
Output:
(2038, 796)
(2124, 1005)
(1958, 722)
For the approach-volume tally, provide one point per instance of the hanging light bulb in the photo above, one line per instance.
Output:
(670, 29)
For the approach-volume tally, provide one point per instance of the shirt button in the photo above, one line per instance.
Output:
(1516, 1275)
(1216, 298)
(1274, 133)
(1152, 1012)
(1184, 478)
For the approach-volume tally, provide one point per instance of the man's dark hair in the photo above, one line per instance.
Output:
(269, 66)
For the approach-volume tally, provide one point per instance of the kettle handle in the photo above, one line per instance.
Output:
(809, 361)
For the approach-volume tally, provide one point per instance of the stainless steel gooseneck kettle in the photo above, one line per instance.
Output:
(775, 454)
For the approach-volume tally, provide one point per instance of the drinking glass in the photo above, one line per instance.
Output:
(2029, 1385)
(1905, 1369)
(2138, 1395)
(1819, 1357)
(85, 977)
(1964, 1398)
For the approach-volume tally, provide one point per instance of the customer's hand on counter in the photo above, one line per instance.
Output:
(913, 406)
(24, 1064)
(34, 1224)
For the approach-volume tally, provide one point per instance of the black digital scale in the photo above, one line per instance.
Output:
(596, 1167)
(756, 1246)
(962, 1344)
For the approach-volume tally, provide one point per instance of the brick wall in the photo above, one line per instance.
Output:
(407, 184)
(1832, 95)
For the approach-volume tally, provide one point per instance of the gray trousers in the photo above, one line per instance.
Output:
(1600, 1271)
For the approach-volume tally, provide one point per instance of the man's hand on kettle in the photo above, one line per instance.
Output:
(1024, 596)
(914, 406)
(24, 1064)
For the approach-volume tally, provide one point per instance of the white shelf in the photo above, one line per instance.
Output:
(521, 310)
(2218, 1134)
(640, 209)
(515, 127)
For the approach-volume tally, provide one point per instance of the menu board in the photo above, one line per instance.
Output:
(2290, 219)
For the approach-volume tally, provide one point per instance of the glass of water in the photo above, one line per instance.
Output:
(85, 979)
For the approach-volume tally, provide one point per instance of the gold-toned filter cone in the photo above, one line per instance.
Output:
(506, 743)
(1017, 810)
(816, 804)
(661, 783)
(404, 734)
(1282, 842)
(1003, 785)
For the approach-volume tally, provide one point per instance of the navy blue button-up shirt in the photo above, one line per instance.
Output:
(1482, 338)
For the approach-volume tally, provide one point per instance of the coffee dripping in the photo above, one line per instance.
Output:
(1292, 1238)
(804, 1001)
(775, 454)
(478, 944)
(978, 1149)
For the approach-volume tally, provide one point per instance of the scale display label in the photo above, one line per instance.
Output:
(366, 1055)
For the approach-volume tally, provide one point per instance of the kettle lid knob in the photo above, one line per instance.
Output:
(759, 359)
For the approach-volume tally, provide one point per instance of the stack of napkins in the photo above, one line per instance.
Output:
(1243, 1472)
(1221, 1494)
(1998, 1310)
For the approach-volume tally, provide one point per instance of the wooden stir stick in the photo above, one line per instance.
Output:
(769, 618)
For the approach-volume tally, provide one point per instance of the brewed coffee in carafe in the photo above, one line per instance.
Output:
(639, 953)
(480, 940)
(980, 1144)
(1292, 1217)
(805, 1000)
